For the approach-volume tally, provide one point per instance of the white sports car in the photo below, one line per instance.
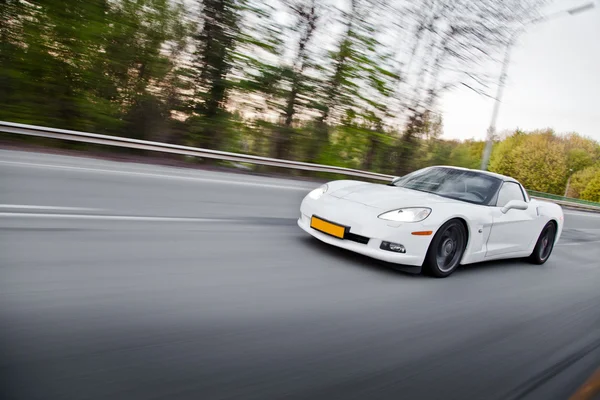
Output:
(435, 218)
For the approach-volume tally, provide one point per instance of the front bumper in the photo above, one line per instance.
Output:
(363, 221)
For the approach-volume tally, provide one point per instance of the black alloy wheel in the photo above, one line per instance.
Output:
(446, 249)
(545, 244)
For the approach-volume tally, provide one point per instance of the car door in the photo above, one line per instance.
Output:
(512, 231)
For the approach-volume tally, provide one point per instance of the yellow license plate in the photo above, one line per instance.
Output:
(327, 227)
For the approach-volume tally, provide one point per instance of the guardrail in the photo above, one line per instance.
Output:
(566, 201)
(85, 137)
(556, 197)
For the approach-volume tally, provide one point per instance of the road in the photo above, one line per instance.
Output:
(129, 281)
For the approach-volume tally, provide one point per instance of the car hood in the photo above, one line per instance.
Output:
(387, 197)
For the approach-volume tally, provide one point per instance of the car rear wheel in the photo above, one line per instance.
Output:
(446, 249)
(545, 244)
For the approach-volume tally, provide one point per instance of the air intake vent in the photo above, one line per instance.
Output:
(356, 238)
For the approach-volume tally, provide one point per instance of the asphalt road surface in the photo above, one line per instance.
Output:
(122, 281)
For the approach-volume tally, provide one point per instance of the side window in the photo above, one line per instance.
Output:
(509, 191)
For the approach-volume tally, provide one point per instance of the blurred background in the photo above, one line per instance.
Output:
(135, 274)
(365, 84)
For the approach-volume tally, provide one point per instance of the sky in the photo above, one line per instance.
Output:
(553, 81)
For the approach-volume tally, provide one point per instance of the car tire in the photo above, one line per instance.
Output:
(446, 249)
(544, 245)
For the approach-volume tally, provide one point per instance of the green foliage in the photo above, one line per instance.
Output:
(580, 180)
(504, 157)
(88, 65)
(234, 75)
(543, 161)
(214, 56)
(578, 159)
(592, 190)
(468, 154)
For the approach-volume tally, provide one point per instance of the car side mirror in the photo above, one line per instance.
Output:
(515, 204)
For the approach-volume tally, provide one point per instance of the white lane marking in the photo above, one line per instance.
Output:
(131, 218)
(577, 243)
(32, 207)
(155, 175)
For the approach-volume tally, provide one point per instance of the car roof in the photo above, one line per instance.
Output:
(499, 176)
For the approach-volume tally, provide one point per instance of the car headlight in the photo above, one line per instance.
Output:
(318, 192)
(412, 214)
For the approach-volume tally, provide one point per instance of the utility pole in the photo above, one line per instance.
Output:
(487, 152)
(491, 132)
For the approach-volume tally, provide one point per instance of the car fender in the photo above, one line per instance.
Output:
(549, 211)
(478, 221)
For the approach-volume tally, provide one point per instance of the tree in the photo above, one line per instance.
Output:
(408, 144)
(13, 14)
(581, 179)
(359, 80)
(579, 159)
(541, 163)
(234, 75)
(503, 159)
(143, 42)
(306, 17)
(48, 57)
(88, 65)
(467, 154)
(446, 43)
(538, 160)
(213, 60)
(592, 190)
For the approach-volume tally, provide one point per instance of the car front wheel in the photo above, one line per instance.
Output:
(446, 249)
(545, 244)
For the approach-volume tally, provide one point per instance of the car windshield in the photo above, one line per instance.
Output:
(470, 186)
